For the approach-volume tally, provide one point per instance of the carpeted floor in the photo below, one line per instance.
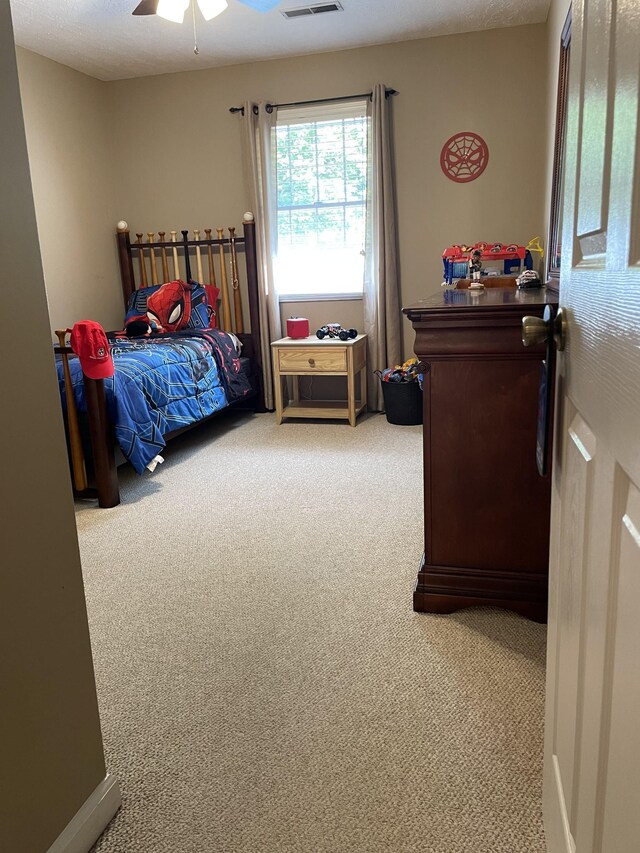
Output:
(264, 684)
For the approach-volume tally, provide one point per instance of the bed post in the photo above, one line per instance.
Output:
(187, 261)
(251, 261)
(105, 471)
(126, 262)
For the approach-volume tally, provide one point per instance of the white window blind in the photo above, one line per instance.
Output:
(321, 179)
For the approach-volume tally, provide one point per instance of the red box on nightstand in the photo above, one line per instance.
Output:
(297, 327)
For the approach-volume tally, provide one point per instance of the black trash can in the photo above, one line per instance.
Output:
(403, 402)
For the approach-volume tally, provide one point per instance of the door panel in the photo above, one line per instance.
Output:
(621, 770)
(592, 741)
(624, 244)
(580, 451)
(595, 138)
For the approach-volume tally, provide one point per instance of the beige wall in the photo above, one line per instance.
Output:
(68, 137)
(164, 152)
(51, 745)
(555, 23)
(181, 164)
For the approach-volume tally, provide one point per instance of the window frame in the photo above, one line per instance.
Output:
(319, 113)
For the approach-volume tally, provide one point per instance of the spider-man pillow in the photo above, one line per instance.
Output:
(172, 306)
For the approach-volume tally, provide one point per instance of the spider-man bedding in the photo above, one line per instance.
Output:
(163, 383)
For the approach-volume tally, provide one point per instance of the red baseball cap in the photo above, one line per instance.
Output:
(90, 344)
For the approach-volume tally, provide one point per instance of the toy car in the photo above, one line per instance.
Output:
(335, 330)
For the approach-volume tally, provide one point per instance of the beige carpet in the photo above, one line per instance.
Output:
(264, 684)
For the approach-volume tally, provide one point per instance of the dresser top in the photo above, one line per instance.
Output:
(490, 299)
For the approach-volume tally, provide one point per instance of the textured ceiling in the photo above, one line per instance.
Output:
(101, 38)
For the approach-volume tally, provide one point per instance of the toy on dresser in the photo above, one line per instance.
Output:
(475, 270)
(464, 260)
(475, 265)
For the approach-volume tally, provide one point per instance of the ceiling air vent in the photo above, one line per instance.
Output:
(317, 9)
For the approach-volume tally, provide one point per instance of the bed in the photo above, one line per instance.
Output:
(179, 375)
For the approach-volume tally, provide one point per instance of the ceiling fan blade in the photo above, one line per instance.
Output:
(147, 7)
(261, 5)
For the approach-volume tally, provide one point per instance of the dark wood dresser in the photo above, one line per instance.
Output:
(486, 507)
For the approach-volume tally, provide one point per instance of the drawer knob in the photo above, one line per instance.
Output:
(312, 361)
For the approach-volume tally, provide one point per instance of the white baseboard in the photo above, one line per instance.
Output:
(82, 832)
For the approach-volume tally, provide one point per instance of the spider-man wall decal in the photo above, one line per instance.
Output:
(464, 157)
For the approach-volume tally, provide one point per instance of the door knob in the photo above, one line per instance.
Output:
(534, 331)
(538, 330)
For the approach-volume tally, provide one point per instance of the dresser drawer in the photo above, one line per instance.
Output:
(320, 359)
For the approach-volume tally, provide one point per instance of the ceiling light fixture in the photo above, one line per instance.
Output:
(173, 10)
(211, 8)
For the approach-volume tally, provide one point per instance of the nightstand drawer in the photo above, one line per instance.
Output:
(329, 359)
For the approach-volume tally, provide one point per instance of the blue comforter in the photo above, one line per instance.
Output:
(161, 384)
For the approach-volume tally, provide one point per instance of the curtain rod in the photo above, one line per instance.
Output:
(271, 107)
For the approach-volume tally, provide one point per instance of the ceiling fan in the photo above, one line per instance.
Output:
(173, 10)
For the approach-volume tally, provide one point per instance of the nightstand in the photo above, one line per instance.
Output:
(312, 357)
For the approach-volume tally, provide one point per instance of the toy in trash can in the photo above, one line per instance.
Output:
(407, 372)
(335, 330)
(402, 393)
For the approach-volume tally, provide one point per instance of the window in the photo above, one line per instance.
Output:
(321, 180)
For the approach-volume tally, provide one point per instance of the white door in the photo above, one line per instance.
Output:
(592, 749)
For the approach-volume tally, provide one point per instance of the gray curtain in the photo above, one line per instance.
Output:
(258, 141)
(382, 317)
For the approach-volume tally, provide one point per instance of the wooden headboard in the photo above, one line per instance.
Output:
(213, 260)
